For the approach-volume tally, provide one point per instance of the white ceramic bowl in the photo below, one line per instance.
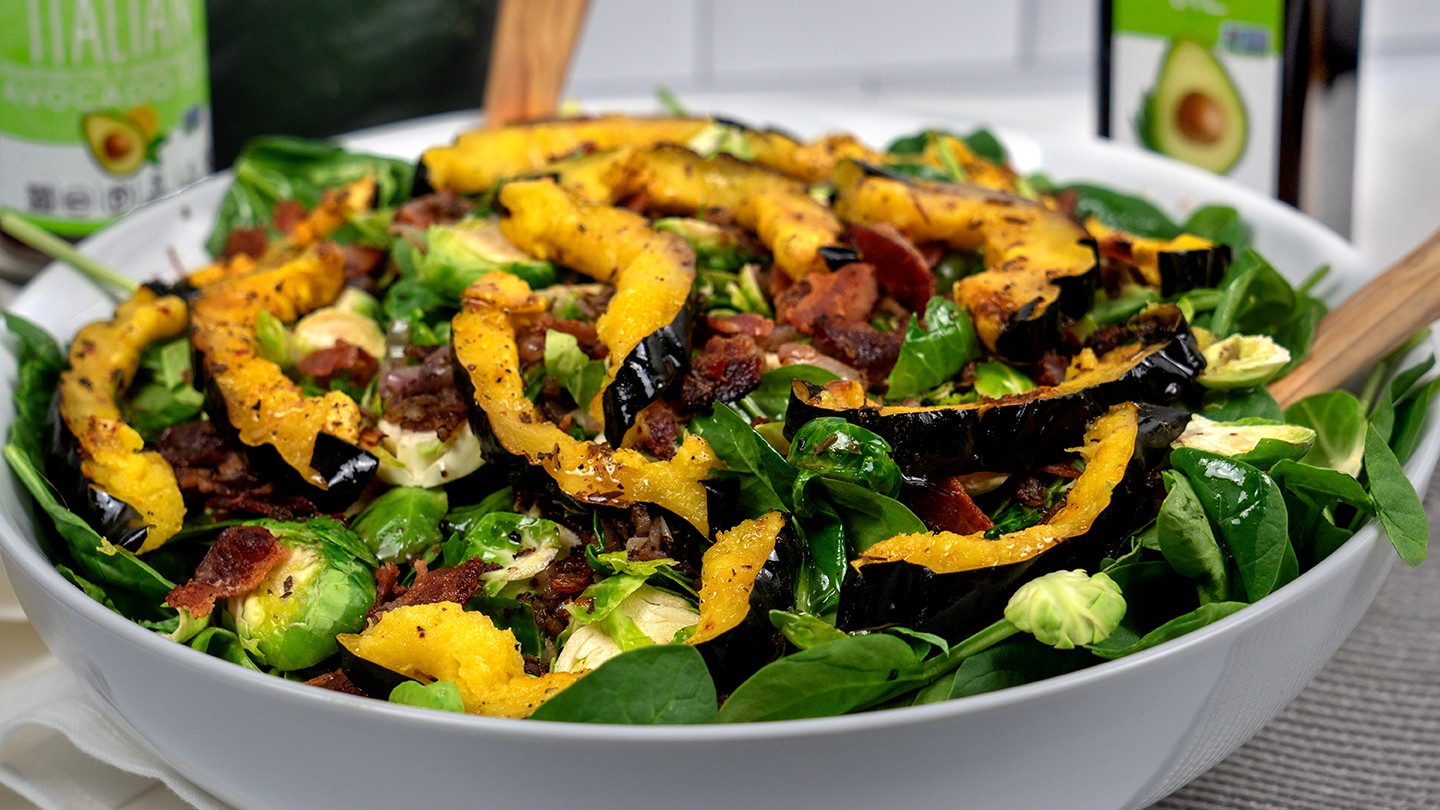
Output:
(1120, 734)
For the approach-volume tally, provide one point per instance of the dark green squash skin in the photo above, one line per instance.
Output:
(740, 651)
(652, 369)
(1018, 434)
(1185, 270)
(954, 605)
(115, 520)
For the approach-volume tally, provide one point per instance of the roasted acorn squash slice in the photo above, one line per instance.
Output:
(674, 180)
(131, 493)
(748, 572)
(646, 326)
(1171, 266)
(1019, 431)
(1039, 266)
(951, 584)
(316, 437)
(488, 374)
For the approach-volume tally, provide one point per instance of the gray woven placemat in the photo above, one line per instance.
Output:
(1366, 732)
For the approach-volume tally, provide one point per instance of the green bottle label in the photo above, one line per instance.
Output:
(104, 105)
(1200, 81)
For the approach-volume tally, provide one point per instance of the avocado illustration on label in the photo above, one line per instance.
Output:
(1194, 112)
(118, 143)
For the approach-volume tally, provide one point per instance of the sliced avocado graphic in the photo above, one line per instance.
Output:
(117, 143)
(1194, 113)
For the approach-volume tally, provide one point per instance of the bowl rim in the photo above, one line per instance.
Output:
(23, 553)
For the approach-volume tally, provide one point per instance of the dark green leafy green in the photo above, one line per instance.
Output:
(1121, 211)
(224, 644)
(805, 630)
(1218, 223)
(1117, 646)
(272, 169)
(666, 683)
(771, 398)
(833, 678)
(1188, 543)
(836, 449)
(1249, 510)
(935, 352)
(1396, 502)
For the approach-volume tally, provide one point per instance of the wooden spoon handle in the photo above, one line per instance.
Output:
(529, 57)
(1369, 324)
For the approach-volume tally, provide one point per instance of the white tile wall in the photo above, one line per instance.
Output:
(874, 47)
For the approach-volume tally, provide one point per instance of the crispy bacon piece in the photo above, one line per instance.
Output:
(454, 584)
(900, 268)
(659, 430)
(216, 476)
(336, 681)
(844, 296)
(342, 361)
(239, 561)
(440, 208)
(860, 345)
(727, 368)
(945, 506)
(1050, 368)
(744, 323)
(288, 214)
(360, 262)
(1029, 490)
(250, 241)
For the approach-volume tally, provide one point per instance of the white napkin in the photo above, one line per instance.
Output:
(51, 736)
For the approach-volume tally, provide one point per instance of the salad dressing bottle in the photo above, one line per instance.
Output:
(104, 105)
(1262, 91)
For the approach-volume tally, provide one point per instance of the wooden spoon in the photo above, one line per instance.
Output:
(529, 57)
(1369, 324)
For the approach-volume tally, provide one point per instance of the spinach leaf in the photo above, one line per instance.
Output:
(829, 679)
(868, 516)
(1121, 211)
(1396, 502)
(1320, 487)
(772, 397)
(40, 361)
(666, 683)
(834, 448)
(984, 144)
(1254, 298)
(766, 479)
(1187, 542)
(1116, 647)
(462, 519)
(1218, 223)
(1410, 415)
(272, 169)
(1232, 406)
(805, 630)
(1249, 510)
(1014, 662)
(403, 522)
(1339, 424)
(936, 352)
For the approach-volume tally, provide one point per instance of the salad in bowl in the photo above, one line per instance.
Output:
(671, 420)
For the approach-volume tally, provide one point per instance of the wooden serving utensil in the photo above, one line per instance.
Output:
(1369, 324)
(529, 57)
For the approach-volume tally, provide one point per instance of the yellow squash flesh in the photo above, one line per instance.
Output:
(1109, 444)
(445, 642)
(727, 574)
(483, 339)
(103, 361)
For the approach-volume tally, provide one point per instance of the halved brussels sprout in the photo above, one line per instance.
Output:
(833, 447)
(290, 620)
(1243, 361)
(1260, 442)
(645, 615)
(521, 545)
(456, 255)
(418, 458)
(351, 319)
